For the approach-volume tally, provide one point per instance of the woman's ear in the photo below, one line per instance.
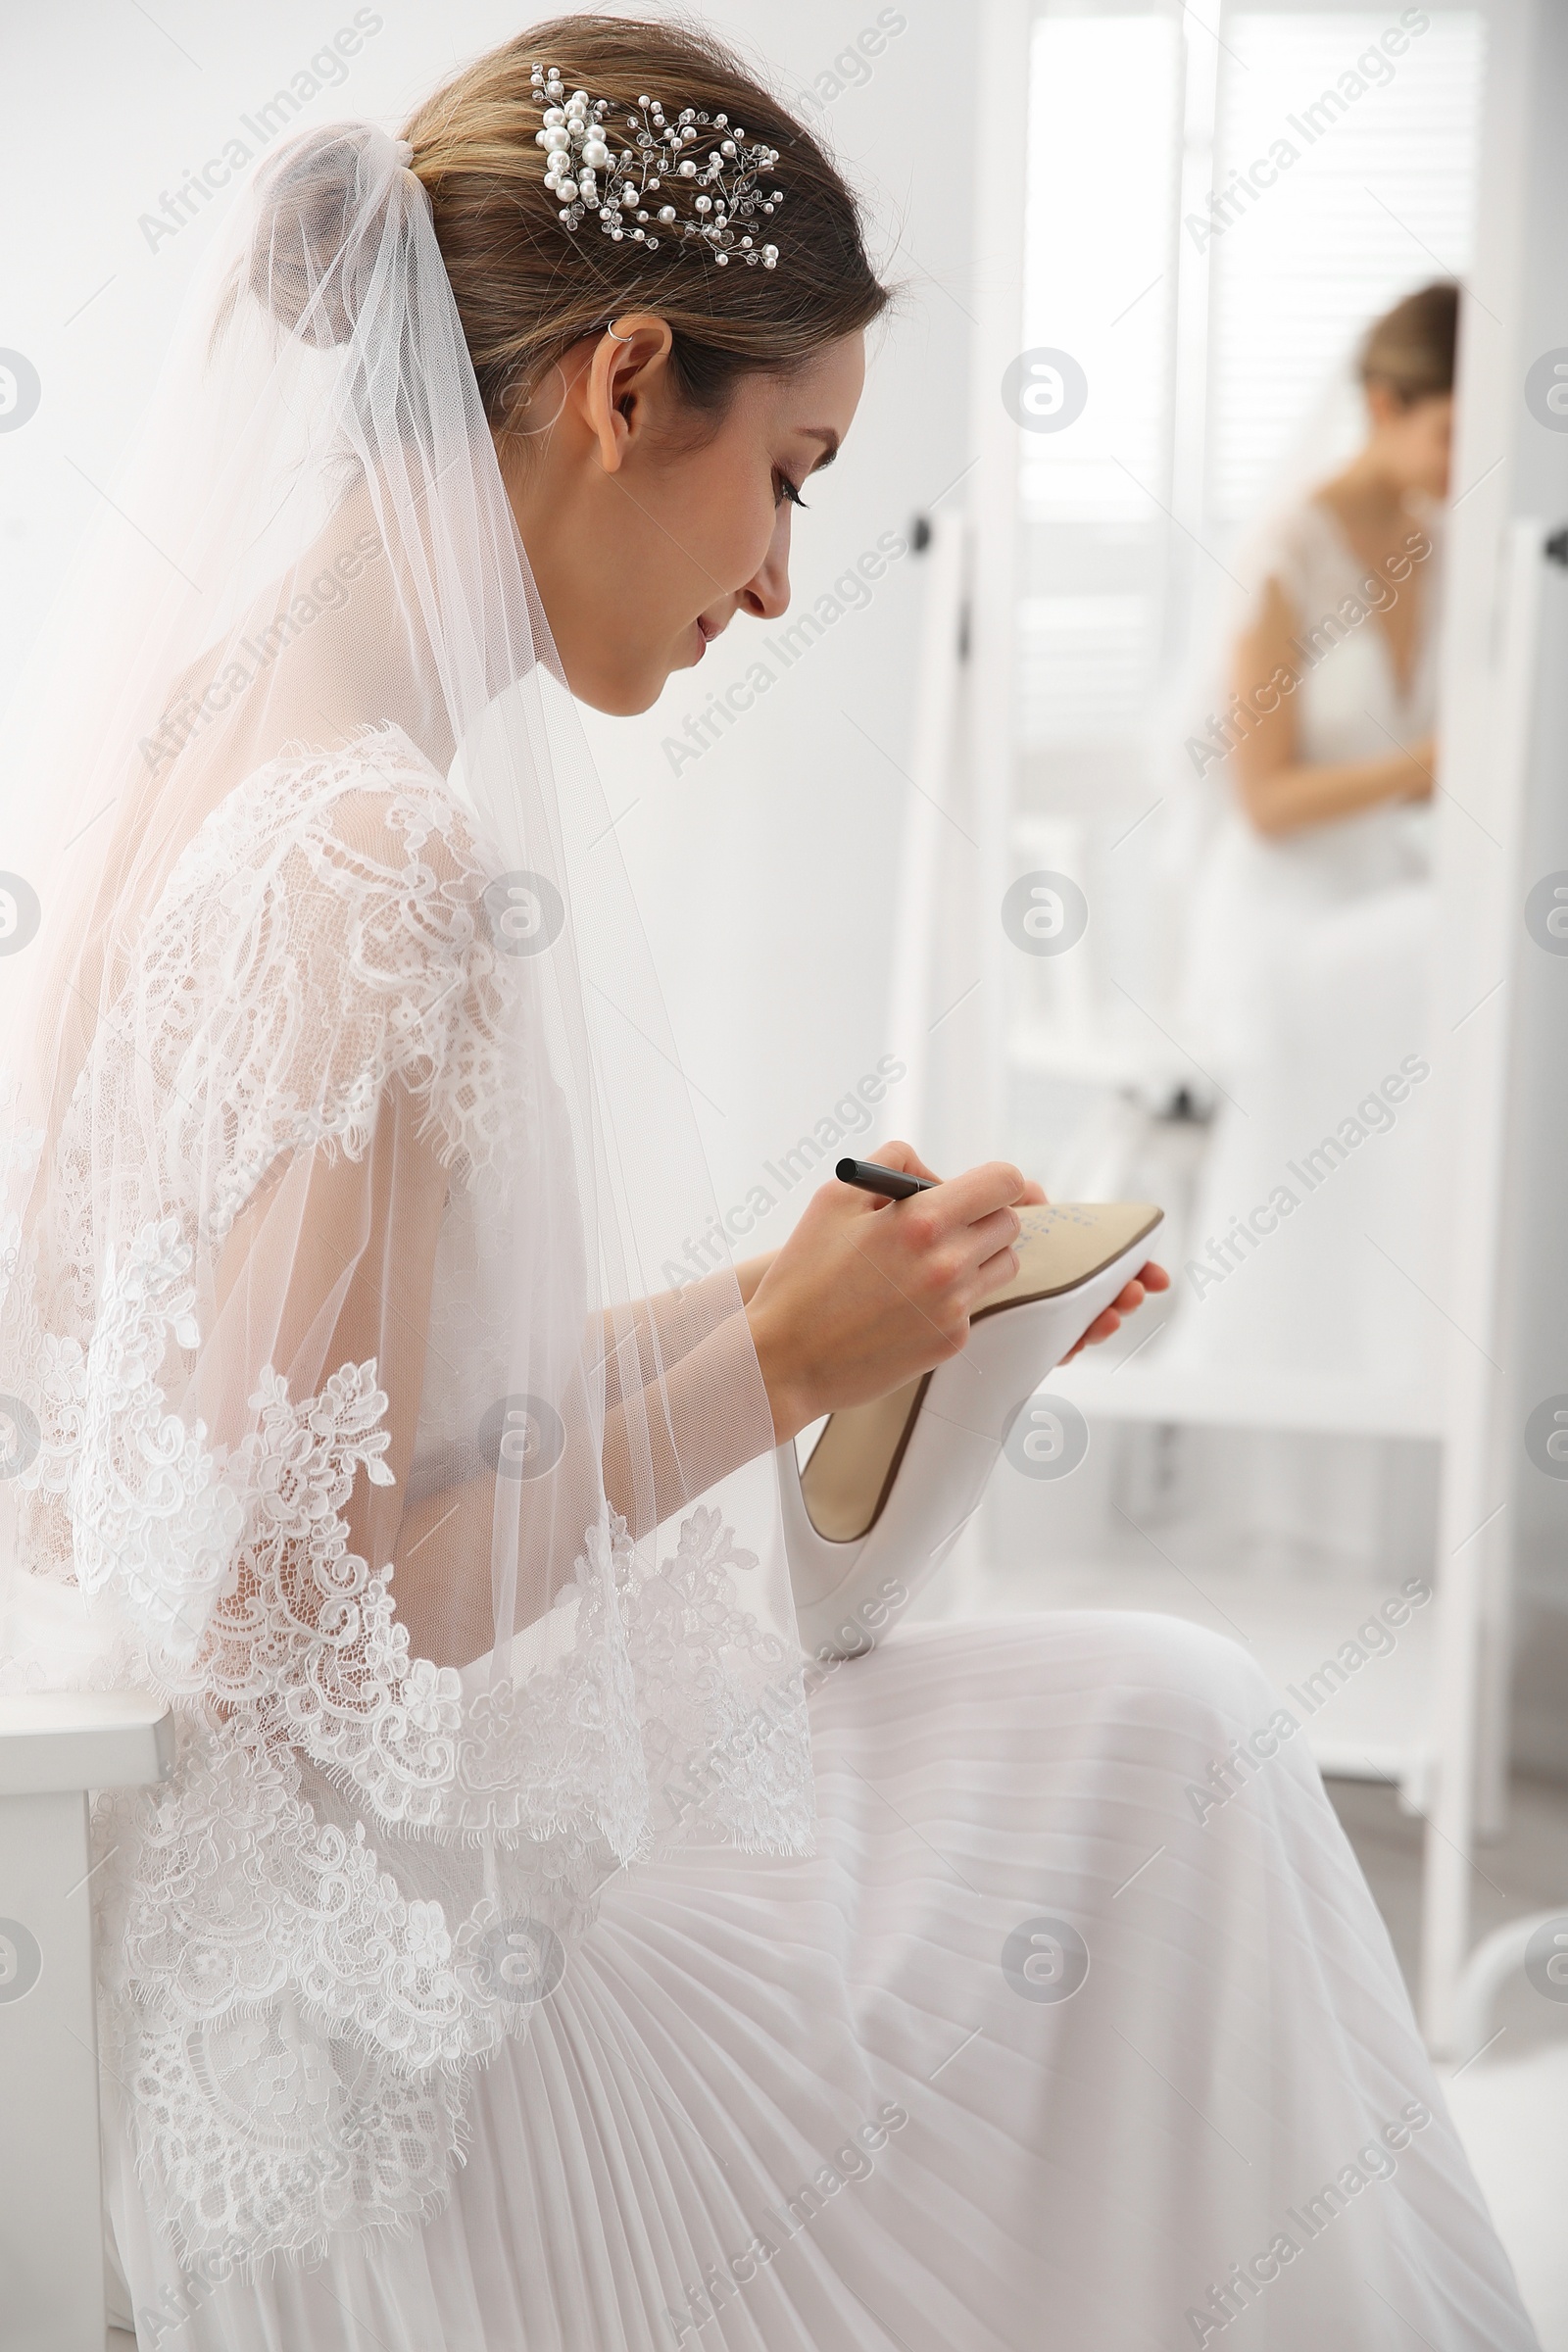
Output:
(629, 360)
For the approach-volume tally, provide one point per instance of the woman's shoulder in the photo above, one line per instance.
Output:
(324, 931)
(363, 811)
(358, 861)
(1305, 551)
(363, 860)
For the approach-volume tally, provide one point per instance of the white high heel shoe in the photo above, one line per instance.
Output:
(890, 1486)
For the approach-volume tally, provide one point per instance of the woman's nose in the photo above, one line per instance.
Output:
(767, 593)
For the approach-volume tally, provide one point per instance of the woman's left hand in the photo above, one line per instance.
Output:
(1149, 1279)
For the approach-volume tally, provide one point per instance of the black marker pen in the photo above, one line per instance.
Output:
(873, 1178)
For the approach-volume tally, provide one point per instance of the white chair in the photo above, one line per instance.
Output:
(54, 1748)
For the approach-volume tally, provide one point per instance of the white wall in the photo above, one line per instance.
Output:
(1535, 1246)
(766, 866)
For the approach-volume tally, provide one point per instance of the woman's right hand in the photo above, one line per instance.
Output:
(869, 1292)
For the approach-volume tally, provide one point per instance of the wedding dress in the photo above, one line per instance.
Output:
(1308, 1001)
(1309, 977)
(522, 1952)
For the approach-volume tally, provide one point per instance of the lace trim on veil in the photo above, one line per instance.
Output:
(293, 2019)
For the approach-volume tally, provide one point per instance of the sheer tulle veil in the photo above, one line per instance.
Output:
(343, 1134)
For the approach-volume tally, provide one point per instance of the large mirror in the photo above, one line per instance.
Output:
(1233, 407)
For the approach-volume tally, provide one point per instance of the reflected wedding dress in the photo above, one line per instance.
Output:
(601, 1987)
(1308, 1001)
(1310, 987)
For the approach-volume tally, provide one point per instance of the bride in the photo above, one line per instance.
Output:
(525, 1952)
(1312, 935)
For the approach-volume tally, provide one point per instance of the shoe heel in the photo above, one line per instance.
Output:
(890, 1486)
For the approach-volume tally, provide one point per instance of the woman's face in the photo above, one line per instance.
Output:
(648, 526)
(1415, 440)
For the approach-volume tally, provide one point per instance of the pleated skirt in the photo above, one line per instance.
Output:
(1079, 2033)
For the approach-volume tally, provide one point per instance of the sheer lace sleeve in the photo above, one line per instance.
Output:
(311, 1044)
(337, 909)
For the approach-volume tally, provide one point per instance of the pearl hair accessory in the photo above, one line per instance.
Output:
(618, 169)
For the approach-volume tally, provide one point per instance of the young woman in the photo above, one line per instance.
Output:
(520, 1954)
(1311, 932)
(1347, 606)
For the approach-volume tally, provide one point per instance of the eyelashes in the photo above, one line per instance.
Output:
(784, 489)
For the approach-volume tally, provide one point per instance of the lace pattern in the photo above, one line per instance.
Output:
(299, 1931)
(148, 1501)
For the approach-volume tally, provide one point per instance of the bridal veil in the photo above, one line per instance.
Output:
(343, 1136)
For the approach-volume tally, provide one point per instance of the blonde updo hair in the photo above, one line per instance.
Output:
(527, 288)
(1410, 349)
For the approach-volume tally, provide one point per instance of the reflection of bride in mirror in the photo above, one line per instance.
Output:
(1312, 913)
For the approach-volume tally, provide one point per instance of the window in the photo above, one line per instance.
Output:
(1213, 214)
(1343, 176)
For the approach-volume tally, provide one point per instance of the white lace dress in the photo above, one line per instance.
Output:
(1310, 987)
(1078, 2026)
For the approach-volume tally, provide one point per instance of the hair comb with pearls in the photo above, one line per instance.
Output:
(629, 170)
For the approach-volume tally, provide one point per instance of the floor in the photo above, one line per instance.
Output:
(1511, 2102)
